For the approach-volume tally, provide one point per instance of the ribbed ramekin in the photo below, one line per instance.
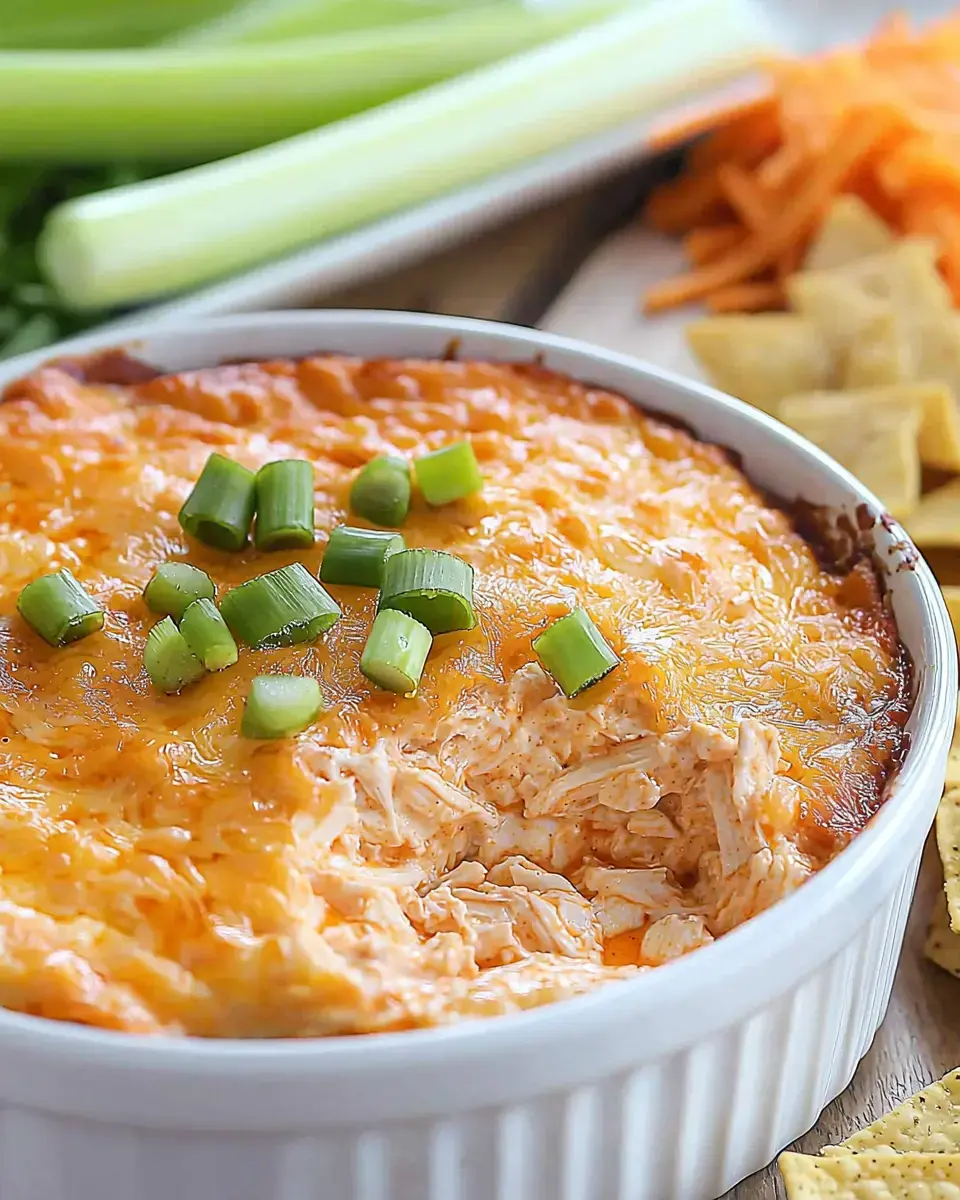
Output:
(672, 1086)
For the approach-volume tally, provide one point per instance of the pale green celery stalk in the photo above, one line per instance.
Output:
(83, 24)
(276, 20)
(152, 239)
(160, 105)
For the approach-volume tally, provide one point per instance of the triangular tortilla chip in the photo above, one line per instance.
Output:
(871, 1176)
(849, 231)
(760, 358)
(837, 307)
(845, 303)
(951, 595)
(927, 1122)
(953, 758)
(880, 449)
(936, 519)
(936, 338)
(942, 945)
(906, 275)
(939, 438)
(881, 353)
(948, 843)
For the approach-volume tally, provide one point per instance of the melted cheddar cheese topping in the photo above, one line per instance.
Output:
(485, 846)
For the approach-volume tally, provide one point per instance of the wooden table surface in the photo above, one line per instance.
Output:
(566, 268)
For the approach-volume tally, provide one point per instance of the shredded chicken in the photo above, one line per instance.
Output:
(482, 846)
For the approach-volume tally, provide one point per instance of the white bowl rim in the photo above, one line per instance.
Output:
(729, 957)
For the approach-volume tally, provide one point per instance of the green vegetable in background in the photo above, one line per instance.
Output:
(186, 229)
(31, 315)
(274, 20)
(101, 24)
(208, 101)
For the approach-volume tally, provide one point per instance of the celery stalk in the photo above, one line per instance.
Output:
(193, 103)
(159, 237)
(82, 24)
(278, 20)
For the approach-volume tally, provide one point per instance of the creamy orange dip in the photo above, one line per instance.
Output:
(485, 846)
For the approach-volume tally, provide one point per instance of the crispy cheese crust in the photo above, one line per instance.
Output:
(485, 846)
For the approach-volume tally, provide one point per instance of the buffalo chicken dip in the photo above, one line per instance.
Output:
(343, 696)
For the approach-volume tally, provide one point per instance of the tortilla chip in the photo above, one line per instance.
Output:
(871, 1176)
(760, 358)
(948, 843)
(953, 758)
(846, 302)
(939, 442)
(878, 445)
(906, 275)
(939, 437)
(837, 307)
(928, 1122)
(936, 519)
(943, 945)
(951, 594)
(850, 230)
(880, 353)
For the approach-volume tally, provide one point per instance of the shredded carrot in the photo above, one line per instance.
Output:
(705, 120)
(781, 166)
(750, 202)
(706, 242)
(790, 261)
(746, 297)
(689, 200)
(747, 140)
(938, 216)
(881, 121)
(853, 140)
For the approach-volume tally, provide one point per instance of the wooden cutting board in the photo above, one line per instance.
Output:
(569, 269)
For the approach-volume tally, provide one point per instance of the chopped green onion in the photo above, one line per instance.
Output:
(57, 607)
(357, 556)
(395, 652)
(169, 661)
(279, 609)
(174, 586)
(381, 492)
(220, 508)
(574, 652)
(433, 587)
(284, 505)
(207, 635)
(448, 474)
(279, 706)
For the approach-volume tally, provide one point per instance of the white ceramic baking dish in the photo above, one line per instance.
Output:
(672, 1086)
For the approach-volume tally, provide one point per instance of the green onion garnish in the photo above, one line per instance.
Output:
(279, 609)
(220, 508)
(433, 587)
(174, 586)
(356, 556)
(207, 635)
(284, 505)
(57, 607)
(448, 474)
(168, 659)
(574, 652)
(381, 492)
(280, 706)
(395, 652)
